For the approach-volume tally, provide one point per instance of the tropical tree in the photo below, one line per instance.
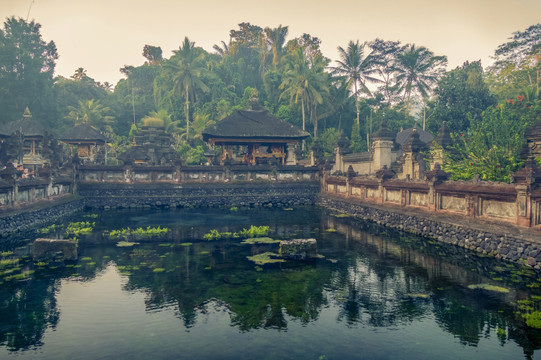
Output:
(153, 54)
(385, 53)
(79, 74)
(222, 50)
(517, 66)
(491, 148)
(523, 48)
(169, 125)
(27, 65)
(417, 69)
(357, 68)
(186, 68)
(461, 95)
(90, 112)
(276, 39)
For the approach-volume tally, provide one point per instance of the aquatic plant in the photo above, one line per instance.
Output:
(212, 235)
(49, 229)
(489, 287)
(265, 258)
(533, 319)
(341, 215)
(149, 232)
(254, 231)
(126, 244)
(261, 240)
(80, 228)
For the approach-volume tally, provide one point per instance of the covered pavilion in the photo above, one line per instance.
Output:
(264, 137)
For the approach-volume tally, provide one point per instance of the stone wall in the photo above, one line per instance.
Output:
(279, 194)
(43, 213)
(189, 174)
(508, 245)
(515, 203)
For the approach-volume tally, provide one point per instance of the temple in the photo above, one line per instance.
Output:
(257, 136)
(88, 141)
(32, 135)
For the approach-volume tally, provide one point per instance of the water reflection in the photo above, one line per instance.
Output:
(375, 278)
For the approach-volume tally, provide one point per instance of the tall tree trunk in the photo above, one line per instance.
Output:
(187, 98)
(357, 106)
(313, 115)
(303, 120)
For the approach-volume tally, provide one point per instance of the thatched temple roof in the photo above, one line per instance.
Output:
(253, 124)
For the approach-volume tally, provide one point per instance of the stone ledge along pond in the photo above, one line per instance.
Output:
(180, 293)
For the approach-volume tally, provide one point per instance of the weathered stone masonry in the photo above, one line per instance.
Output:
(254, 194)
(508, 246)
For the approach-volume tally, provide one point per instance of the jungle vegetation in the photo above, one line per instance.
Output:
(368, 81)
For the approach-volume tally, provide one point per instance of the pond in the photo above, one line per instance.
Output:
(171, 292)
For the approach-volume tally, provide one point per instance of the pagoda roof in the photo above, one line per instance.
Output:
(83, 132)
(26, 125)
(403, 136)
(253, 124)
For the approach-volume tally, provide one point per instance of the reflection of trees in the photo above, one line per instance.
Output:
(378, 294)
(26, 311)
(255, 298)
(397, 278)
(28, 308)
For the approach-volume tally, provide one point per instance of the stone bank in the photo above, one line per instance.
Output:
(497, 240)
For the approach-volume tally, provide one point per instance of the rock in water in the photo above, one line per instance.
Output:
(298, 249)
(51, 248)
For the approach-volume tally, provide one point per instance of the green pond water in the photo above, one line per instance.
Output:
(374, 293)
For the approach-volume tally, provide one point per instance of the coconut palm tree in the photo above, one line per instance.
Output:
(417, 71)
(222, 50)
(357, 68)
(79, 74)
(90, 112)
(304, 83)
(276, 39)
(186, 69)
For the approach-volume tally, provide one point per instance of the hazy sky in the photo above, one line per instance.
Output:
(104, 35)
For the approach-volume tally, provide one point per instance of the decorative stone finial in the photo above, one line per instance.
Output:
(27, 113)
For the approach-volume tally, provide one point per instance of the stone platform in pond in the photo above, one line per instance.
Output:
(44, 249)
(298, 249)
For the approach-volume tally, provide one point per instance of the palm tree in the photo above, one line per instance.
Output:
(79, 74)
(304, 83)
(169, 125)
(90, 112)
(186, 68)
(417, 70)
(276, 39)
(222, 50)
(357, 68)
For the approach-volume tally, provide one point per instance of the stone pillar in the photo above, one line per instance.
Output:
(383, 144)
(434, 177)
(290, 156)
(526, 180)
(382, 176)
(382, 154)
(349, 175)
(338, 163)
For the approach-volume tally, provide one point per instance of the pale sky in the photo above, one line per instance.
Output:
(104, 35)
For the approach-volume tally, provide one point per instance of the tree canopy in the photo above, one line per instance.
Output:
(369, 82)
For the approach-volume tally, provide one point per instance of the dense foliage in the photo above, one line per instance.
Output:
(369, 81)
